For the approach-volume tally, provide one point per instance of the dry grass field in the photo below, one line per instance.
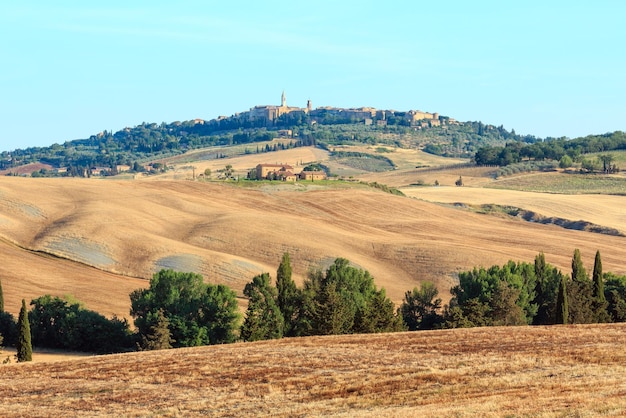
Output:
(599, 209)
(98, 239)
(557, 371)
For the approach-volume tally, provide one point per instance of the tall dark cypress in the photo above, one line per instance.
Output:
(600, 304)
(539, 300)
(287, 297)
(580, 293)
(562, 311)
(24, 346)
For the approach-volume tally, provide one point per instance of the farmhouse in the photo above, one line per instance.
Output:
(285, 172)
(312, 175)
(267, 171)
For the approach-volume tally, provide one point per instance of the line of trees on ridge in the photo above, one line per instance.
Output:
(563, 150)
(181, 310)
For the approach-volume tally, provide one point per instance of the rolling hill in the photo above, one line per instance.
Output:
(98, 239)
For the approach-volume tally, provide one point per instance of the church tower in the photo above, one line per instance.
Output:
(283, 100)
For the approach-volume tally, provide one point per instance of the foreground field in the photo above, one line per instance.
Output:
(516, 371)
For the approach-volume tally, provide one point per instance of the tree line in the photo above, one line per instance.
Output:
(533, 294)
(180, 310)
(551, 149)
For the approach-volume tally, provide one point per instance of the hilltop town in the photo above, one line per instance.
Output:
(367, 115)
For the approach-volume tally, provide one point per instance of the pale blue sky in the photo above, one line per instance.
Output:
(71, 69)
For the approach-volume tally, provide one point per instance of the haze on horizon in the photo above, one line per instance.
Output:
(72, 70)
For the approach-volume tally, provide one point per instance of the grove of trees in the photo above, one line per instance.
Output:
(562, 150)
(180, 310)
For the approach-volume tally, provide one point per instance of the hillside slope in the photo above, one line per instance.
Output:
(490, 372)
(130, 229)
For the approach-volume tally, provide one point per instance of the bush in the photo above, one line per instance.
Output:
(57, 323)
(8, 329)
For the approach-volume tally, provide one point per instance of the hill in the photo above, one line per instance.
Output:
(108, 235)
(130, 147)
(491, 372)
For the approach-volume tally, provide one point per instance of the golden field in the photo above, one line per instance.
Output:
(553, 371)
(98, 239)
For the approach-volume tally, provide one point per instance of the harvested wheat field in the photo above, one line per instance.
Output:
(604, 210)
(513, 371)
(99, 239)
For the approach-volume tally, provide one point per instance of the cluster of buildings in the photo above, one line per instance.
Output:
(285, 172)
(367, 115)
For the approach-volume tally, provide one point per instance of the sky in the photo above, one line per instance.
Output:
(71, 69)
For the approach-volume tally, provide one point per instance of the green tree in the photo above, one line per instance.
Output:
(477, 288)
(198, 313)
(263, 319)
(565, 161)
(599, 304)
(562, 309)
(504, 307)
(221, 311)
(333, 312)
(540, 300)
(606, 160)
(615, 292)
(335, 302)
(546, 289)
(288, 295)
(159, 336)
(378, 315)
(8, 328)
(420, 308)
(1, 298)
(24, 346)
(58, 323)
(580, 293)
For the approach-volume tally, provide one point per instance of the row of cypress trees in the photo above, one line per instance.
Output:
(580, 300)
(528, 294)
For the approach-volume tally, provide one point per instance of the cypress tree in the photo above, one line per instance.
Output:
(287, 298)
(578, 269)
(24, 346)
(562, 312)
(1, 298)
(263, 318)
(539, 300)
(600, 304)
(580, 293)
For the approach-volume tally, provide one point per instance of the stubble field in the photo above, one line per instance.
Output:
(491, 372)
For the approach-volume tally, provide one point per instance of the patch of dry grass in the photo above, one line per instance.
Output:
(515, 371)
(119, 231)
